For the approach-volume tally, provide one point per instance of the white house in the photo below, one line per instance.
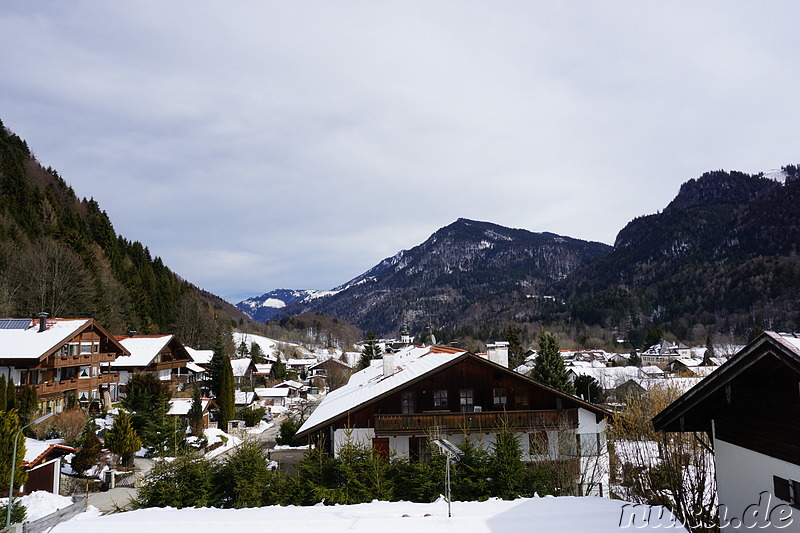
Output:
(750, 408)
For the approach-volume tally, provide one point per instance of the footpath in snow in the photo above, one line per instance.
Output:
(548, 514)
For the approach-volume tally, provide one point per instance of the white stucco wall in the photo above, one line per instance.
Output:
(742, 476)
(357, 436)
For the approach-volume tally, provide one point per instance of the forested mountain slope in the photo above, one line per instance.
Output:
(723, 255)
(465, 273)
(60, 254)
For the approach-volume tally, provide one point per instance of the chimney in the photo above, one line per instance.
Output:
(42, 321)
(498, 353)
(388, 364)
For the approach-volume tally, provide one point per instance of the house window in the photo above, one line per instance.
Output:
(418, 449)
(787, 490)
(407, 402)
(86, 348)
(500, 398)
(467, 400)
(521, 398)
(589, 444)
(538, 444)
(440, 399)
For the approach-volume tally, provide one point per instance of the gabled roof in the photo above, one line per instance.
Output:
(271, 392)
(411, 364)
(30, 343)
(689, 413)
(38, 450)
(181, 406)
(240, 366)
(144, 349)
(201, 357)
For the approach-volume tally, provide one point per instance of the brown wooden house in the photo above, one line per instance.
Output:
(60, 358)
(750, 409)
(161, 355)
(401, 402)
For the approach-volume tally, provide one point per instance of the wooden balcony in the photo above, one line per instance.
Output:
(83, 359)
(486, 421)
(169, 365)
(50, 388)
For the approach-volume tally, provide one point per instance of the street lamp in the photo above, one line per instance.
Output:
(14, 464)
(451, 451)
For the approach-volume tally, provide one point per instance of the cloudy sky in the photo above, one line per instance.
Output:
(262, 144)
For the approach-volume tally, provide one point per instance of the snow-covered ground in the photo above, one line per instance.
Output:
(39, 504)
(559, 515)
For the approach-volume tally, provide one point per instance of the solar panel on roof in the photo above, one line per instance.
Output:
(15, 323)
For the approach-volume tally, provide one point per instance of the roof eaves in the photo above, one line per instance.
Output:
(732, 368)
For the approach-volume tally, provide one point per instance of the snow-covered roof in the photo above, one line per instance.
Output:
(689, 363)
(243, 398)
(608, 377)
(194, 367)
(300, 362)
(30, 343)
(143, 348)
(271, 392)
(263, 368)
(181, 406)
(369, 383)
(291, 384)
(201, 357)
(240, 366)
(35, 450)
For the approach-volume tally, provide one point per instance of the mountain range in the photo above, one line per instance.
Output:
(720, 258)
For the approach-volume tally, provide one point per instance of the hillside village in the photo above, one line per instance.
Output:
(110, 399)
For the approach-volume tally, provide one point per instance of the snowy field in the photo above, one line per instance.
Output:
(547, 515)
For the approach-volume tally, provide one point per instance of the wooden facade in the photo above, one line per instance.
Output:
(75, 365)
(470, 393)
(753, 402)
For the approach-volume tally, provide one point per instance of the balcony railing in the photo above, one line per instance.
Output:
(421, 423)
(75, 384)
(81, 359)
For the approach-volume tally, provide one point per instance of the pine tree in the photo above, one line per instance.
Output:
(89, 454)
(371, 351)
(28, 404)
(549, 366)
(196, 412)
(505, 464)
(256, 354)
(9, 427)
(122, 439)
(242, 350)
(226, 399)
(2, 393)
(709, 353)
(516, 355)
(587, 388)
(11, 395)
(216, 366)
(635, 359)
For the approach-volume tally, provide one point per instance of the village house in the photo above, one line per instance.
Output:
(161, 355)
(403, 401)
(243, 369)
(62, 359)
(42, 462)
(750, 409)
(270, 396)
(664, 353)
(180, 407)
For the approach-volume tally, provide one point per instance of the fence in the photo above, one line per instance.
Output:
(53, 519)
